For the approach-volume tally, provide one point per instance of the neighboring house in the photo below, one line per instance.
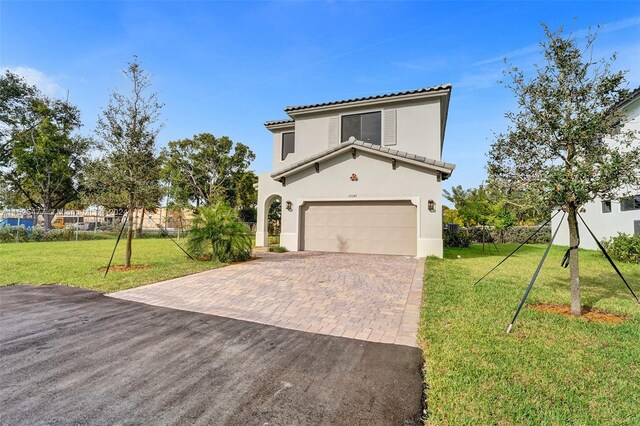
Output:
(608, 217)
(360, 175)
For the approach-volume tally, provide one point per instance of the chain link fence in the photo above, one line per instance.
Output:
(23, 225)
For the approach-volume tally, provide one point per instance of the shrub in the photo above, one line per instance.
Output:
(456, 238)
(218, 227)
(38, 234)
(278, 249)
(64, 234)
(14, 234)
(624, 247)
(5, 234)
(514, 234)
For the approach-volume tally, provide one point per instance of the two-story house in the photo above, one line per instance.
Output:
(608, 217)
(360, 175)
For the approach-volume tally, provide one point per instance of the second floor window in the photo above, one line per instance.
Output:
(631, 203)
(606, 206)
(288, 144)
(364, 127)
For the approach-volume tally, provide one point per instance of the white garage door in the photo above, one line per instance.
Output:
(381, 227)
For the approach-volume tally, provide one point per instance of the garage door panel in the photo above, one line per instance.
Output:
(386, 227)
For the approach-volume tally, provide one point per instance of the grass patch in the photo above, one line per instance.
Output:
(79, 264)
(552, 369)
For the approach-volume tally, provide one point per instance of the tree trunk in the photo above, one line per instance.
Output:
(46, 220)
(574, 269)
(47, 215)
(139, 230)
(127, 256)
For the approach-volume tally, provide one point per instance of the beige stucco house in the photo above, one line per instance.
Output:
(360, 175)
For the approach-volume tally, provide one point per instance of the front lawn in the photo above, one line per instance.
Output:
(551, 369)
(77, 263)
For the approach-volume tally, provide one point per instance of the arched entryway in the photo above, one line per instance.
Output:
(272, 220)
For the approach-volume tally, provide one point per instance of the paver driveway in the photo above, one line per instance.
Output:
(367, 297)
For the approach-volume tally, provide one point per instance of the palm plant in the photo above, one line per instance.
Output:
(217, 227)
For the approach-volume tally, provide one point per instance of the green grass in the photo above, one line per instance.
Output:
(77, 263)
(551, 369)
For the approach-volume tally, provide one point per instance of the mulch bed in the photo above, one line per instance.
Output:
(587, 314)
(122, 268)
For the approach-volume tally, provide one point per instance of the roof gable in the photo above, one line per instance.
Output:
(427, 163)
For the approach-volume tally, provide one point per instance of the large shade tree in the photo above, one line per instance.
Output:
(128, 172)
(205, 169)
(565, 141)
(42, 161)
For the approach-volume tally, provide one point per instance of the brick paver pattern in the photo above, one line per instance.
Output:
(367, 297)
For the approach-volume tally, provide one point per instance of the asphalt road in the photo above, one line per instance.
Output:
(72, 356)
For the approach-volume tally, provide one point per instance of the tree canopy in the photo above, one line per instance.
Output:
(565, 141)
(480, 206)
(205, 169)
(41, 161)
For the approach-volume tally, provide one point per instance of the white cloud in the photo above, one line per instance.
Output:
(479, 79)
(608, 27)
(45, 83)
(533, 48)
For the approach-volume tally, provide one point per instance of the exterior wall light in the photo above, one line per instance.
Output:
(431, 205)
(289, 205)
(393, 163)
(317, 166)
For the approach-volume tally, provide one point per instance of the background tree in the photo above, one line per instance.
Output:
(16, 99)
(451, 216)
(41, 162)
(564, 142)
(473, 205)
(128, 172)
(274, 217)
(204, 170)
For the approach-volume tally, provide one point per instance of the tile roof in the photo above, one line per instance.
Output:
(388, 95)
(446, 167)
(275, 122)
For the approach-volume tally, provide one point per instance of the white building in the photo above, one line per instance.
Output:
(608, 217)
(360, 175)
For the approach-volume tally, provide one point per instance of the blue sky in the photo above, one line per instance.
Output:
(226, 67)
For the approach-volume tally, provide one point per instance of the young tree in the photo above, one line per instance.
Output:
(41, 162)
(204, 170)
(128, 172)
(564, 141)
